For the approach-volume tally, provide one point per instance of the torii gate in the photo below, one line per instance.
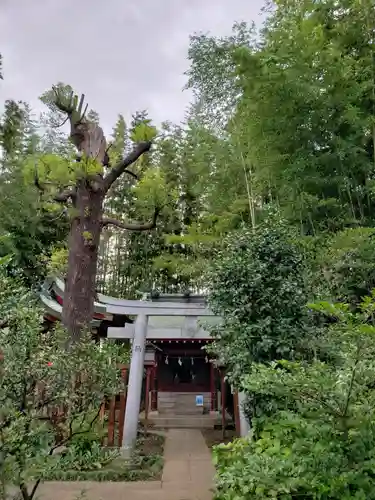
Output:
(153, 321)
(144, 328)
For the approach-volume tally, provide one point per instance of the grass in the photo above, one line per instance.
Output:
(146, 465)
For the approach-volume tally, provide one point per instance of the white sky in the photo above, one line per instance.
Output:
(125, 55)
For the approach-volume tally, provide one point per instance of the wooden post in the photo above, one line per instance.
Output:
(147, 394)
(223, 405)
(111, 422)
(102, 413)
(101, 419)
(236, 413)
(154, 392)
(213, 388)
(124, 376)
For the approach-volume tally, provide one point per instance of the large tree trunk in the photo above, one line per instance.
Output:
(87, 196)
(84, 241)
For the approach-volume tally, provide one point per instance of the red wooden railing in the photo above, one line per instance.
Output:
(111, 413)
(114, 412)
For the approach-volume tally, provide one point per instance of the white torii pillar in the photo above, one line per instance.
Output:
(134, 386)
(244, 424)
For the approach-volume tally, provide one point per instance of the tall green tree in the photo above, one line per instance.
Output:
(212, 75)
(258, 286)
(28, 230)
(136, 250)
(308, 108)
(300, 118)
(112, 240)
(134, 263)
(86, 186)
(12, 133)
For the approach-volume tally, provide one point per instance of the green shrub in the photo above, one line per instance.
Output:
(103, 464)
(258, 286)
(322, 445)
(37, 375)
(92, 456)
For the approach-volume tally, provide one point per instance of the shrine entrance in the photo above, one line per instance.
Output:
(183, 374)
(167, 336)
(182, 367)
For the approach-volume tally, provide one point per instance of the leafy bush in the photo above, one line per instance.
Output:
(49, 395)
(348, 265)
(100, 464)
(322, 444)
(91, 457)
(258, 287)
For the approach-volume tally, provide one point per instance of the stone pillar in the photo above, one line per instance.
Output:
(236, 413)
(244, 424)
(134, 386)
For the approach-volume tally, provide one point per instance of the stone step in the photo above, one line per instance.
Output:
(197, 410)
(179, 404)
(181, 395)
(180, 422)
(179, 409)
(181, 399)
(171, 404)
(181, 412)
(190, 404)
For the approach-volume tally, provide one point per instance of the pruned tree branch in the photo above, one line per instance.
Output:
(62, 123)
(36, 181)
(70, 106)
(106, 161)
(121, 166)
(66, 107)
(61, 197)
(132, 226)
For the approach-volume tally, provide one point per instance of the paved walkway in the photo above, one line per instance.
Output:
(188, 475)
(188, 466)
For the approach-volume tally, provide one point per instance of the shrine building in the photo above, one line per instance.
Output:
(170, 369)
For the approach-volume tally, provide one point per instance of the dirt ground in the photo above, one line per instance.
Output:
(151, 444)
(214, 437)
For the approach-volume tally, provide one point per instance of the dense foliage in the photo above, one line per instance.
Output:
(346, 264)
(49, 396)
(293, 126)
(258, 286)
(320, 444)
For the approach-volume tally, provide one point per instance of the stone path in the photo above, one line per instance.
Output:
(188, 466)
(188, 475)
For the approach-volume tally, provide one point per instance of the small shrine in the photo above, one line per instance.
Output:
(169, 362)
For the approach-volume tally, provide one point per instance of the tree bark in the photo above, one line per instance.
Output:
(87, 197)
(84, 238)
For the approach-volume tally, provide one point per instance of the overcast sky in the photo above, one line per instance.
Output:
(125, 55)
